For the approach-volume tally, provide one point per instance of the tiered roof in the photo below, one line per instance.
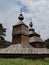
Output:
(33, 36)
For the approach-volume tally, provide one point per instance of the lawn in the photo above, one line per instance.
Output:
(20, 61)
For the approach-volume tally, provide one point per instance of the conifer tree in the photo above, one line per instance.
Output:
(2, 34)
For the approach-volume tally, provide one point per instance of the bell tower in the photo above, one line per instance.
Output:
(20, 31)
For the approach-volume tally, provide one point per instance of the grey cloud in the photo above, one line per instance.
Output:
(39, 14)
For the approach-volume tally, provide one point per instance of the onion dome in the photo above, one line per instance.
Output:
(21, 17)
(20, 22)
(31, 29)
(31, 24)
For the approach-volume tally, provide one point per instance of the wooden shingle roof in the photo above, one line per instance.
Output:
(20, 23)
(18, 49)
(35, 39)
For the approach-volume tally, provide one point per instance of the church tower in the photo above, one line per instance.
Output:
(34, 38)
(20, 31)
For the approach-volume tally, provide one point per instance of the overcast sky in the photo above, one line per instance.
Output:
(37, 10)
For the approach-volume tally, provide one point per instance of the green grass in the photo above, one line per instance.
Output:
(20, 61)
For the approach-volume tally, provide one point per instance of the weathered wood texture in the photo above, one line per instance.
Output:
(20, 34)
(37, 45)
(23, 49)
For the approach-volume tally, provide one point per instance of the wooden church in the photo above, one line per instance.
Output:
(26, 43)
(22, 34)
